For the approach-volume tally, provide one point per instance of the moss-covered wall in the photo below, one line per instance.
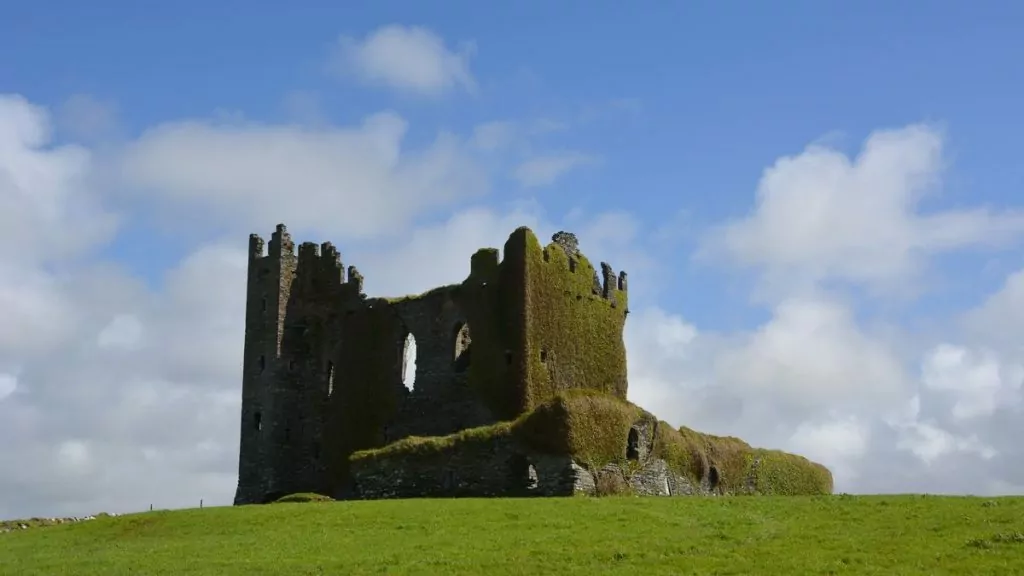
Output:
(574, 325)
(541, 325)
(593, 430)
(493, 297)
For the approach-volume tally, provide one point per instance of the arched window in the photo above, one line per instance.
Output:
(462, 346)
(409, 362)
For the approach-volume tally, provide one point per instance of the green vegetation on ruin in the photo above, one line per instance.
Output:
(538, 328)
(574, 337)
(593, 427)
(303, 497)
(907, 535)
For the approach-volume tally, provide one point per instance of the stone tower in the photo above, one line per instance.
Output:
(282, 393)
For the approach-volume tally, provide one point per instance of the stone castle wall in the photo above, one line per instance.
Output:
(323, 363)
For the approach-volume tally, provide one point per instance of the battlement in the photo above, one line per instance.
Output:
(315, 265)
(563, 252)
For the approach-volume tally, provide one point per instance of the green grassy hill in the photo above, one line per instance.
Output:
(621, 535)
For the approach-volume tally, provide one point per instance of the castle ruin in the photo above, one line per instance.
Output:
(520, 386)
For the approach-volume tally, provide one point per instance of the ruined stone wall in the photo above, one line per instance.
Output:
(547, 323)
(575, 317)
(371, 406)
(441, 401)
(494, 299)
(291, 304)
(323, 364)
(502, 464)
(486, 467)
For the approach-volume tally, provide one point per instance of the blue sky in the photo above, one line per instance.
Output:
(684, 106)
(858, 310)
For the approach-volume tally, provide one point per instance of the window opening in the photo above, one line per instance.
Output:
(409, 362)
(330, 379)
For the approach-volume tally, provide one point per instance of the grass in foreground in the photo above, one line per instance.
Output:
(739, 535)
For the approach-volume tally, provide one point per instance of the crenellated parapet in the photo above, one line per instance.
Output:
(564, 256)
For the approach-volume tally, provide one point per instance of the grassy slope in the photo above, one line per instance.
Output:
(765, 536)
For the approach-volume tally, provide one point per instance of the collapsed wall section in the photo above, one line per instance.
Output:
(581, 443)
(371, 406)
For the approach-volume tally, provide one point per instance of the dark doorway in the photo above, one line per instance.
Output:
(633, 445)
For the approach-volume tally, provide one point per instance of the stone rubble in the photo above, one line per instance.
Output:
(43, 522)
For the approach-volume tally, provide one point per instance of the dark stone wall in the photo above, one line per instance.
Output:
(491, 467)
(500, 465)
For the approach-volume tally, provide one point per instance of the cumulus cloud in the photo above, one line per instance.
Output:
(352, 182)
(47, 204)
(140, 406)
(412, 59)
(884, 410)
(997, 322)
(822, 216)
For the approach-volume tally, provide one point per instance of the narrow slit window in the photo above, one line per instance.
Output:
(330, 379)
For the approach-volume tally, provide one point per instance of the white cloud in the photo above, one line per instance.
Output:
(997, 322)
(407, 58)
(837, 442)
(343, 182)
(928, 443)
(124, 332)
(977, 381)
(820, 216)
(47, 205)
(811, 356)
(8, 384)
(544, 170)
(813, 379)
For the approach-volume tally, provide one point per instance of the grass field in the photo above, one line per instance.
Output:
(889, 535)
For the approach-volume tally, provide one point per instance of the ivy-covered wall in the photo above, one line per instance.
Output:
(544, 321)
(574, 324)
(593, 431)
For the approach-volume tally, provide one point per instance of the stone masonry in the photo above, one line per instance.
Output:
(323, 363)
